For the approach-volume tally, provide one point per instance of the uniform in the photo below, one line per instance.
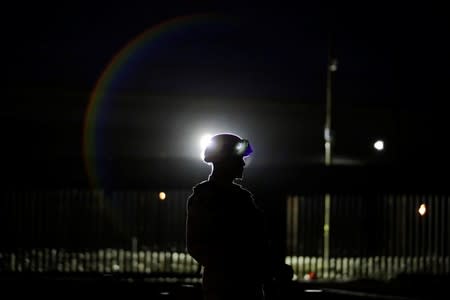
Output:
(225, 229)
(225, 234)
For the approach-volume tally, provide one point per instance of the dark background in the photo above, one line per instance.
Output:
(261, 73)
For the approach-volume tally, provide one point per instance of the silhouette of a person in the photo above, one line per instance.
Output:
(225, 229)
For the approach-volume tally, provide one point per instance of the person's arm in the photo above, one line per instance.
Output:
(276, 269)
(202, 238)
(196, 240)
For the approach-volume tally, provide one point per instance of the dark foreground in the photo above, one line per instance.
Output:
(90, 286)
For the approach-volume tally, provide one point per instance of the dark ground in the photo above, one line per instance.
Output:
(129, 287)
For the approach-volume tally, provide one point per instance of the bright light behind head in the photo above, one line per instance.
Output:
(205, 140)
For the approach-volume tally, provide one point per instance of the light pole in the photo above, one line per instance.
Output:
(328, 139)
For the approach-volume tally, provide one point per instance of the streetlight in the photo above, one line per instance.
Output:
(379, 145)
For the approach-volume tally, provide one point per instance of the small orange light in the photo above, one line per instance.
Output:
(422, 209)
(162, 196)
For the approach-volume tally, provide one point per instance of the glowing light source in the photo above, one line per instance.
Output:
(241, 147)
(379, 145)
(162, 196)
(205, 140)
(310, 276)
(422, 209)
(333, 65)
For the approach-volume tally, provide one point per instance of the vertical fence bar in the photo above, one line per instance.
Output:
(43, 230)
(337, 242)
(289, 245)
(429, 261)
(169, 212)
(361, 239)
(392, 234)
(436, 234)
(435, 231)
(349, 251)
(292, 251)
(423, 249)
(446, 234)
(295, 226)
(326, 234)
(409, 211)
(441, 236)
(404, 231)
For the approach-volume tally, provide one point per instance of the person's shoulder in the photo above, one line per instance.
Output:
(243, 191)
(201, 187)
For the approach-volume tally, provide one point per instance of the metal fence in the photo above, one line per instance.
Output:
(85, 219)
(370, 235)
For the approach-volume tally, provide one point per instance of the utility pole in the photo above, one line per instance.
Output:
(328, 139)
(331, 68)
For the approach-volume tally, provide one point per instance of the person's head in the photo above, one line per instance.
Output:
(226, 152)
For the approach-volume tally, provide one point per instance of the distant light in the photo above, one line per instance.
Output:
(313, 291)
(162, 196)
(422, 209)
(333, 65)
(327, 134)
(379, 145)
(310, 276)
(204, 142)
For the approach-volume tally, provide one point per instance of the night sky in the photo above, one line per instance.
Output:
(258, 70)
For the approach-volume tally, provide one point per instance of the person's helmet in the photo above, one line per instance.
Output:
(224, 146)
